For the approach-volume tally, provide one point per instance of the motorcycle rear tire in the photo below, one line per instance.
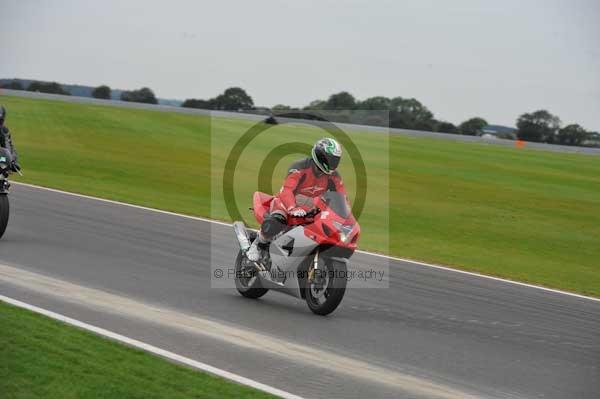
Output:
(256, 290)
(4, 212)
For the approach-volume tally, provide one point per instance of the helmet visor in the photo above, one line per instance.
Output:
(328, 162)
(332, 161)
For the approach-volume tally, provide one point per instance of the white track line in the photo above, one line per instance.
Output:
(153, 349)
(438, 267)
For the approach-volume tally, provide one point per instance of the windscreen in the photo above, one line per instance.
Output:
(337, 203)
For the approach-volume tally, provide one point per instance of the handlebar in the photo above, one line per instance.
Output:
(6, 171)
(306, 219)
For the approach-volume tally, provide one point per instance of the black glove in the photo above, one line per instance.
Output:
(15, 166)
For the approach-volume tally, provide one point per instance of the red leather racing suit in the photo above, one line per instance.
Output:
(303, 183)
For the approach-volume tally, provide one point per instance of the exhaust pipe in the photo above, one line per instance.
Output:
(242, 235)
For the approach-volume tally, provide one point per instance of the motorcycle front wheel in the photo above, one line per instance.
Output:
(4, 211)
(326, 287)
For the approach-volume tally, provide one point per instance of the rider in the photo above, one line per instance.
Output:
(6, 141)
(307, 179)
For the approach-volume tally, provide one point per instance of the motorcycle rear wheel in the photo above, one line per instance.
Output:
(323, 303)
(4, 212)
(246, 286)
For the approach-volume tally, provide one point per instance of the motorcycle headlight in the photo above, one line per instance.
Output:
(345, 238)
(344, 230)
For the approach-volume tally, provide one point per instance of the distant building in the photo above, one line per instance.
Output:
(499, 132)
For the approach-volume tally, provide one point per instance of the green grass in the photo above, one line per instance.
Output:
(44, 358)
(522, 214)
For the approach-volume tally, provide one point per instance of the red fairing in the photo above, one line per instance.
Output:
(261, 203)
(326, 228)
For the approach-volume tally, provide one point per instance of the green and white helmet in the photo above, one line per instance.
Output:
(326, 154)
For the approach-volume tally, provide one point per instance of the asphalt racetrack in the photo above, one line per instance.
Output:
(432, 334)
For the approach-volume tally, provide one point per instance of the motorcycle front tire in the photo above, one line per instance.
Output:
(335, 290)
(4, 212)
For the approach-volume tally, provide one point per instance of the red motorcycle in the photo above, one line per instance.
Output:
(308, 260)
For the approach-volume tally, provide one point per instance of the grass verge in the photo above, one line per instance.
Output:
(44, 358)
(521, 214)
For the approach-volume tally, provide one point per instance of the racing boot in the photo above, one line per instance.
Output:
(272, 225)
(254, 253)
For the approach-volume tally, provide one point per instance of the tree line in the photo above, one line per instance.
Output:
(404, 113)
(143, 95)
(409, 113)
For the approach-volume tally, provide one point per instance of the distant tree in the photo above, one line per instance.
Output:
(143, 95)
(48, 87)
(316, 105)
(409, 113)
(281, 107)
(540, 126)
(13, 85)
(127, 95)
(102, 92)
(340, 101)
(195, 103)
(572, 135)
(446, 127)
(233, 99)
(375, 103)
(213, 103)
(428, 125)
(473, 126)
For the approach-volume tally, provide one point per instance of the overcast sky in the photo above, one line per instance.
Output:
(494, 59)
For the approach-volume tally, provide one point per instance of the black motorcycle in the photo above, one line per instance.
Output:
(5, 171)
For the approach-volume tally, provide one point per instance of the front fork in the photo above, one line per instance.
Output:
(311, 274)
